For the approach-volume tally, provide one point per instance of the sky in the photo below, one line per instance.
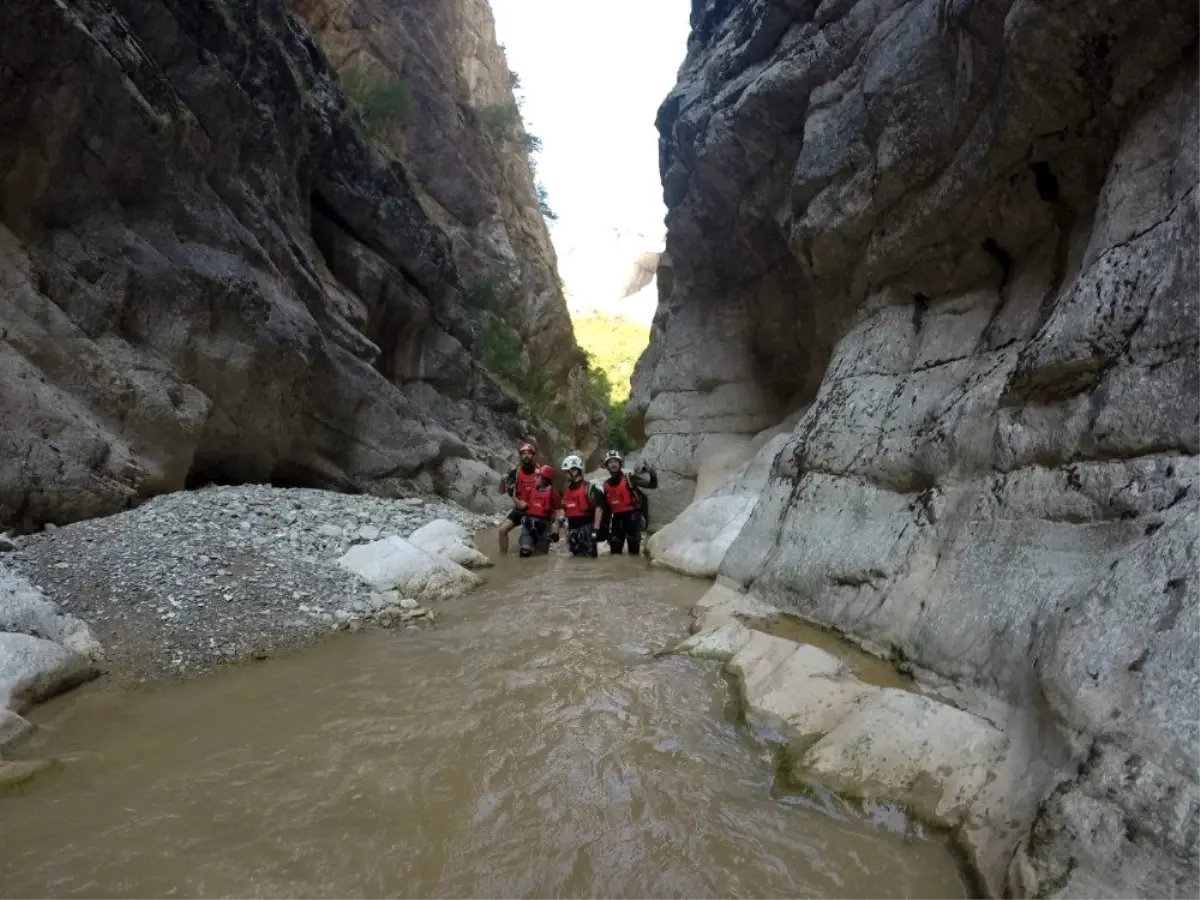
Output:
(593, 75)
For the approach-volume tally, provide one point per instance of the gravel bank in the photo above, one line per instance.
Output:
(194, 579)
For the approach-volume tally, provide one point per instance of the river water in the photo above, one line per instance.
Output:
(528, 746)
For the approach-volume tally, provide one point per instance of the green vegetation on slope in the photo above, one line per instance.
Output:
(613, 346)
(383, 101)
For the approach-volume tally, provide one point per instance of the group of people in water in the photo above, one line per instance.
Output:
(613, 510)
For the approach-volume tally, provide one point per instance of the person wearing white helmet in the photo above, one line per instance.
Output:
(581, 505)
(625, 505)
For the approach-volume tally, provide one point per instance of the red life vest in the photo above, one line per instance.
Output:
(620, 496)
(542, 502)
(526, 483)
(577, 501)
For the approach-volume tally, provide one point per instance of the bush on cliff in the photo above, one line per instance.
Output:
(383, 101)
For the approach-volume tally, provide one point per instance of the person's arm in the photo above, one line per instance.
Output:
(645, 477)
(598, 501)
(555, 512)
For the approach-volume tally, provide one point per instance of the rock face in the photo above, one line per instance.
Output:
(952, 246)
(209, 272)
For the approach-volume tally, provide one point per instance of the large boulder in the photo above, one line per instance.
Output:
(449, 540)
(42, 652)
(695, 543)
(32, 669)
(23, 609)
(396, 564)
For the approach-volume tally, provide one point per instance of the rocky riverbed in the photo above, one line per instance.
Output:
(194, 579)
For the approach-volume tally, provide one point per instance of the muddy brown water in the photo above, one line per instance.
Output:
(529, 746)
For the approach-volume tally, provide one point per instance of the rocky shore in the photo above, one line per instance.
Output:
(192, 580)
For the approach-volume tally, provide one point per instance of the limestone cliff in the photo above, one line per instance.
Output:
(209, 269)
(466, 147)
(947, 252)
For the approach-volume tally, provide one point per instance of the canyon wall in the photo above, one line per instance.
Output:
(925, 368)
(211, 269)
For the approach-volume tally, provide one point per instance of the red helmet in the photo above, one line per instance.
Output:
(526, 445)
(547, 472)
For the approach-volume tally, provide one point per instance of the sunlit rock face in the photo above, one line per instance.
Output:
(210, 270)
(952, 247)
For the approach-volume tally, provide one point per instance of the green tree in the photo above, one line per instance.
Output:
(614, 344)
(544, 203)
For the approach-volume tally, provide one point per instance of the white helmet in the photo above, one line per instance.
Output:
(572, 462)
(614, 454)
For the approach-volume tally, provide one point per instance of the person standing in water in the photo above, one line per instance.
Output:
(542, 507)
(518, 483)
(580, 503)
(625, 506)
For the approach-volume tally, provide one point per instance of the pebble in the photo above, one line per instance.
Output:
(267, 556)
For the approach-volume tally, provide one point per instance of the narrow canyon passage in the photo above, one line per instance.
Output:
(531, 745)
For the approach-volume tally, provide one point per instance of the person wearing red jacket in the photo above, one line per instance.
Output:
(542, 509)
(581, 502)
(625, 506)
(517, 484)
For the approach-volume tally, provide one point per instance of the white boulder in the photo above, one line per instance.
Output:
(32, 669)
(450, 540)
(696, 542)
(396, 564)
(24, 610)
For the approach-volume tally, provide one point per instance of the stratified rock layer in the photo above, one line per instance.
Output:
(208, 271)
(956, 244)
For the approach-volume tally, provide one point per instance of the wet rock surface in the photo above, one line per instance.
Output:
(194, 579)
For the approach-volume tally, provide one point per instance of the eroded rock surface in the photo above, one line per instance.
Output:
(864, 739)
(210, 271)
(958, 241)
